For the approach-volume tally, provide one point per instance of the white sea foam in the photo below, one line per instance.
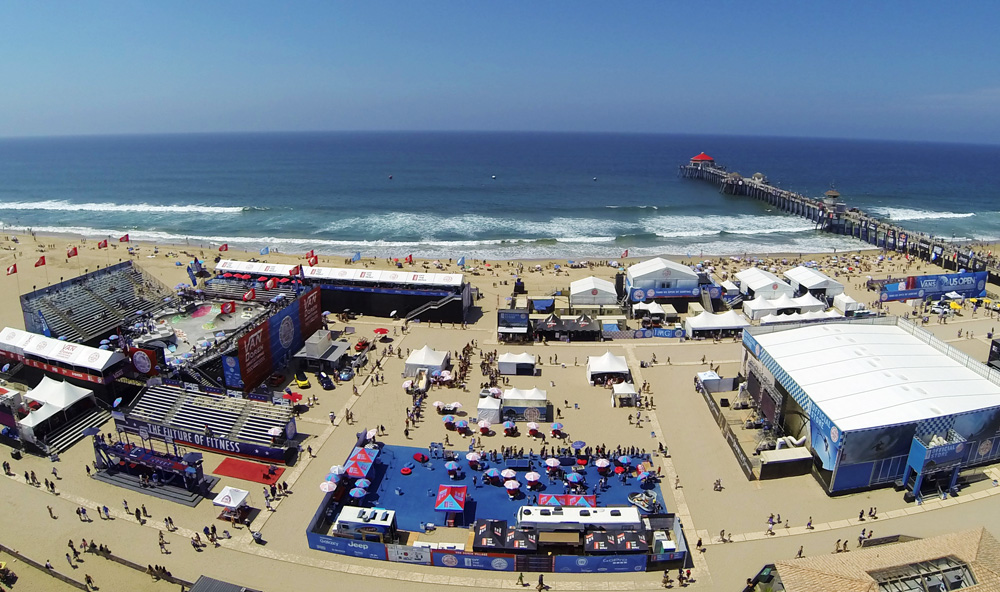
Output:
(66, 206)
(908, 214)
(692, 226)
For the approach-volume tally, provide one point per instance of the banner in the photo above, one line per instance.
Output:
(143, 360)
(641, 295)
(901, 241)
(200, 440)
(467, 560)
(599, 564)
(876, 444)
(969, 284)
(825, 438)
(408, 554)
(285, 333)
(255, 356)
(228, 307)
(310, 313)
(231, 372)
(890, 240)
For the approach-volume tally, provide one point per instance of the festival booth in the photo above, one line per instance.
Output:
(583, 328)
(812, 281)
(525, 405)
(50, 406)
(592, 292)
(488, 410)
(426, 358)
(845, 304)
(551, 327)
(233, 502)
(707, 323)
(623, 395)
(760, 307)
(652, 310)
(809, 303)
(450, 499)
(758, 283)
(608, 367)
(366, 524)
(799, 317)
(511, 364)
(660, 278)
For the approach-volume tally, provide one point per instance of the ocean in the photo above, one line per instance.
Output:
(482, 195)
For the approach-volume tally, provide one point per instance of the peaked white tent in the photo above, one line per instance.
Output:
(592, 291)
(762, 284)
(55, 396)
(623, 395)
(813, 280)
(759, 308)
(800, 316)
(659, 273)
(706, 321)
(653, 308)
(606, 364)
(513, 364)
(488, 410)
(809, 303)
(426, 357)
(845, 303)
(516, 394)
(231, 498)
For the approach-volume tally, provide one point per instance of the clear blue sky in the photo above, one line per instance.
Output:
(896, 70)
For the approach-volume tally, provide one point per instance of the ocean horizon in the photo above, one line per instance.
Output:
(493, 195)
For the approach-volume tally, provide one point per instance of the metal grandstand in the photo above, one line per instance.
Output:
(90, 306)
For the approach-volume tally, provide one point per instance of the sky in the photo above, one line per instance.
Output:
(885, 70)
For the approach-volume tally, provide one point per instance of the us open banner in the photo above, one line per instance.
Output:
(255, 356)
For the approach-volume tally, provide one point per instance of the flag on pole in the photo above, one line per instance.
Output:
(103, 244)
(461, 262)
(270, 284)
(228, 307)
(294, 271)
(356, 257)
(123, 239)
(40, 262)
(250, 295)
(313, 261)
(625, 254)
(71, 252)
(409, 258)
(265, 250)
(311, 254)
(224, 247)
(12, 269)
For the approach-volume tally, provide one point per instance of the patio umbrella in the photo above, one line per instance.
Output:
(508, 473)
(445, 375)
(105, 347)
(438, 404)
(619, 470)
(532, 476)
(407, 384)
(113, 338)
(485, 424)
(491, 473)
(451, 465)
(532, 425)
(509, 425)
(557, 426)
(473, 457)
(262, 278)
(574, 478)
(448, 419)
(227, 275)
(552, 462)
(139, 313)
(204, 344)
(105, 342)
(644, 475)
(275, 431)
(381, 331)
(456, 405)
(327, 486)
(495, 391)
(5, 368)
(337, 470)
(167, 299)
(624, 460)
(512, 485)
(358, 493)
(371, 433)
(220, 334)
(363, 483)
(117, 402)
(284, 280)
(578, 444)
(461, 424)
(602, 462)
(334, 478)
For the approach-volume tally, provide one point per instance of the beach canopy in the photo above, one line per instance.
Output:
(428, 358)
(592, 291)
(513, 364)
(606, 364)
(55, 396)
(360, 462)
(450, 498)
(763, 284)
(231, 498)
(811, 279)
(706, 321)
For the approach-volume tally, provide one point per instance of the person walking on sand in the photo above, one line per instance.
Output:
(520, 579)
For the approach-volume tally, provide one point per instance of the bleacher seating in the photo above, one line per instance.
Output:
(235, 289)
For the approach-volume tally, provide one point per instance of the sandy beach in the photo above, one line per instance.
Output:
(680, 420)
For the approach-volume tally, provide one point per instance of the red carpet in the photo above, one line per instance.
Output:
(246, 470)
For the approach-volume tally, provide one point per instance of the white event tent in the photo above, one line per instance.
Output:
(845, 303)
(659, 273)
(514, 364)
(813, 281)
(761, 307)
(623, 395)
(426, 357)
(231, 498)
(706, 321)
(592, 291)
(55, 396)
(488, 410)
(762, 284)
(606, 364)
(800, 316)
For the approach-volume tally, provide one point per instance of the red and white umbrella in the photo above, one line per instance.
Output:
(602, 462)
(508, 473)
(371, 434)
(532, 476)
(532, 425)
(512, 485)
(337, 470)
(456, 405)
(485, 424)
(552, 462)
(438, 404)
(473, 457)
(327, 486)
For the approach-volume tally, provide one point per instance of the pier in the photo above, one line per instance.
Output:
(831, 214)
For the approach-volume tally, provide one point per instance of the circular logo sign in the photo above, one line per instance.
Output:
(342, 273)
(883, 296)
(985, 447)
(532, 414)
(834, 434)
(446, 278)
(43, 344)
(581, 561)
(960, 447)
(286, 333)
(694, 291)
(449, 560)
(393, 276)
(9, 336)
(638, 295)
(230, 361)
(920, 293)
(981, 285)
(666, 273)
(142, 362)
(774, 286)
(650, 293)
(499, 564)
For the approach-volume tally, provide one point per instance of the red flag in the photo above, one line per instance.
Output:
(310, 254)
(71, 252)
(12, 269)
(123, 239)
(250, 295)
(40, 262)
(625, 254)
(103, 244)
(313, 261)
(294, 270)
(224, 247)
(228, 307)
(270, 284)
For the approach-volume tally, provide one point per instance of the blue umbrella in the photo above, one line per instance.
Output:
(105, 342)
(117, 402)
(113, 338)
(5, 368)
(557, 426)
(462, 424)
(358, 493)
(167, 299)
(105, 347)
(509, 425)
(205, 344)
(139, 313)
(624, 460)
(363, 483)
(492, 473)
(61, 338)
(326, 312)
(644, 475)
(574, 478)
(449, 419)
(579, 444)
(334, 477)
(451, 465)
(220, 334)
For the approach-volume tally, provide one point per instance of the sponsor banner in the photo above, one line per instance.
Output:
(978, 265)
(285, 332)
(826, 438)
(901, 239)
(880, 239)
(535, 563)
(600, 564)
(864, 232)
(143, 360)
(364, 549)
(63, 371)
(512, 318)
(467, 560)
(200, 440)
(963, 260)
(945, 457)
(674, 556)
(231, 372)
(890, 239)
(255, 356)
(936, 252)
(641, 294)
(876, 444)
(310, 314)
(408, 554)
(970, 284)
(392, 291)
